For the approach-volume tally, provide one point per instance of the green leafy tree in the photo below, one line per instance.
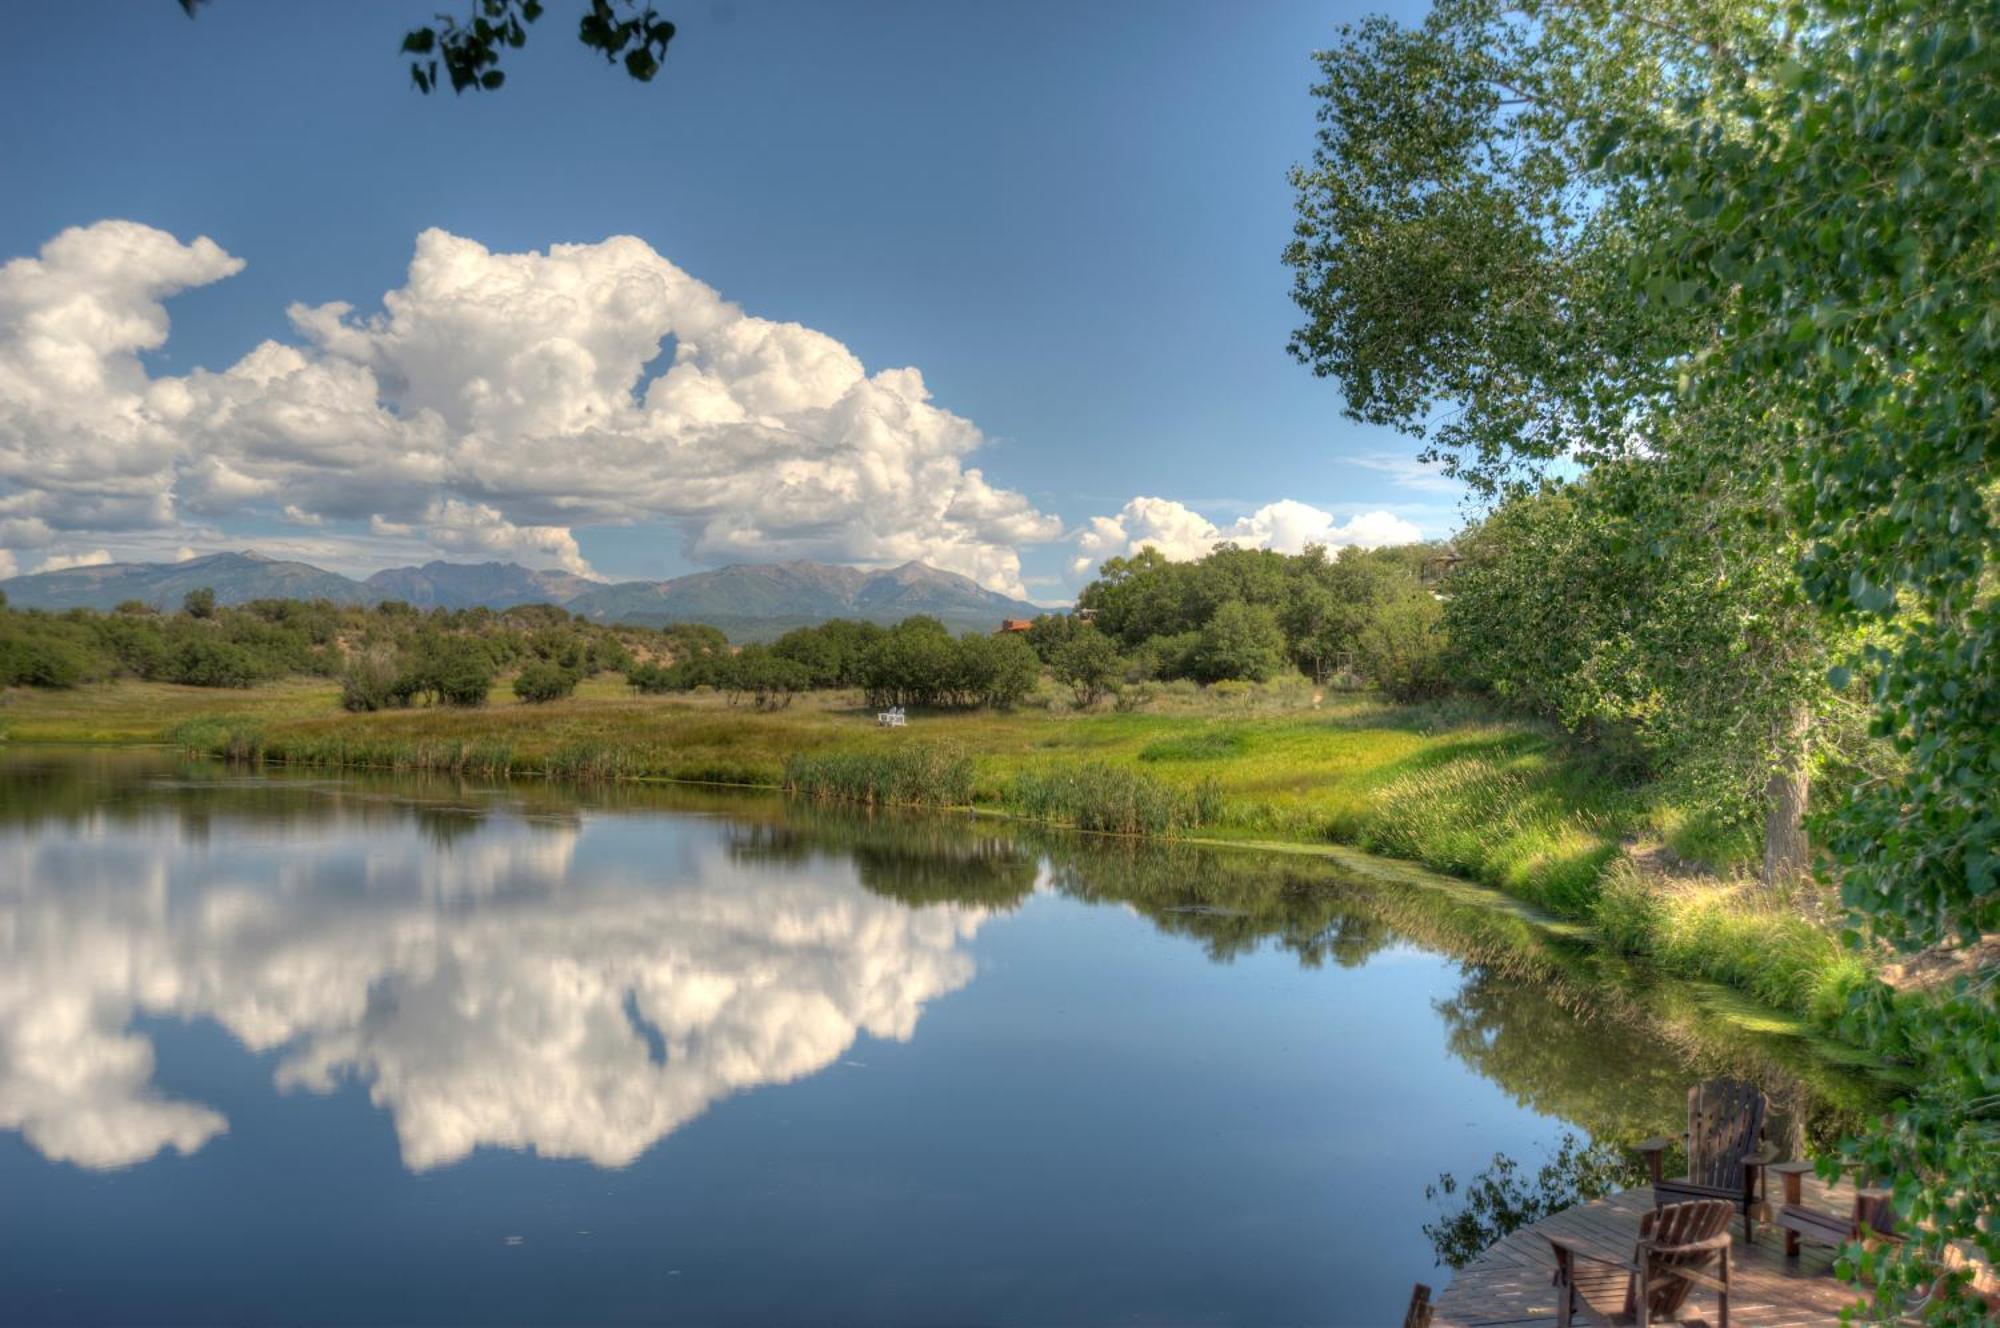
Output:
(199, 603)
(544, 680)
(1402, 647)
(1240, 641)
(1832, 217)
(996, 669)
(1747, 250)
(1466, 267)
(1089, 665)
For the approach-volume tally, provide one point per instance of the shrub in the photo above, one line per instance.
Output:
(452, 670)
(203, 660)
(42, 661)
(372, 682)
(544, 680)
(199, 603)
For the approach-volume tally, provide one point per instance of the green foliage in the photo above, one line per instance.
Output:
(1240, 641)
(372, 682)
(1225, 616)
(997, 670)
(199, 603)
(1087, 663)
(1402, 647)
(1739, 262)
(545, 680)
(204, 659)
(832, 652)
(450, 670)
(759, 672)
(1837, 208)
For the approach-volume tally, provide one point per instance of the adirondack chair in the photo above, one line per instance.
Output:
(1872, 1211)
(1725, 1140)
(1676, 1247)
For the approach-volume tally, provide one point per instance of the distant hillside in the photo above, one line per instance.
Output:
(749, 602)
(753, 601)
(465, 585)
(234, 577)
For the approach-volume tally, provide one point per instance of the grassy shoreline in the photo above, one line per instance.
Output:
(1461, 791)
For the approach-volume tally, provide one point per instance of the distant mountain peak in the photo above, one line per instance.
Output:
(747, 600)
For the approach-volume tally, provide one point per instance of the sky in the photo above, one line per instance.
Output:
(993, 287)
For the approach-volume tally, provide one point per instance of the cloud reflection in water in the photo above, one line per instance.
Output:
(512, 987)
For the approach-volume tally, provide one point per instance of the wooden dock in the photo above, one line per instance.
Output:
(1509, 1286)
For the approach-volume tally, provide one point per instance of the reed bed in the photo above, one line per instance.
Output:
(1114, 800)
(918, 775)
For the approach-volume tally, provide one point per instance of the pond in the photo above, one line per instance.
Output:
(347, 1048)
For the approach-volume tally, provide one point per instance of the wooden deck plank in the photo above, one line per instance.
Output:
(1510, 1285)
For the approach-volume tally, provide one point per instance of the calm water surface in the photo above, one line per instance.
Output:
(364, 1050)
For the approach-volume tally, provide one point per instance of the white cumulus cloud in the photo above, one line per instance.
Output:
(60, 562)
(1181, 533)
(496, 403)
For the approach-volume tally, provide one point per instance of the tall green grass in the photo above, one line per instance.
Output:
(1725, 934)
(918, 775)
(1112, 799)
(1538, 833)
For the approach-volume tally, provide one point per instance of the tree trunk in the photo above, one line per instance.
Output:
(1786, 853)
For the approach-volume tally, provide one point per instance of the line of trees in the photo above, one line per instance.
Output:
(916, 662)
(1251, 613)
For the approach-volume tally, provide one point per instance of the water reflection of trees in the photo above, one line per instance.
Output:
(1231, 903)
(913, 860)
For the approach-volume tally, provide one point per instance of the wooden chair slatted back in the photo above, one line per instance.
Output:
(1725, 1125)
(1678, 1225)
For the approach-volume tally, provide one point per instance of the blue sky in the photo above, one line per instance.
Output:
(1066, 217)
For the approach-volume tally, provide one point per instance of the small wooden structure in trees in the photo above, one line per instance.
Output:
(1680, 1247)
(1438, 564)
(1014, 625)
(1725, 1141)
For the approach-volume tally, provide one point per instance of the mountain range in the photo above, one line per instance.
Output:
(748, 601)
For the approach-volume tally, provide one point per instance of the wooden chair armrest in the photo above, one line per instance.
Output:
(1796, 1167)
(1719, 1242)
(1654, 1145)
(1605, 1259)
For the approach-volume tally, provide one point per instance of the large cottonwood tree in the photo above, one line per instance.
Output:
(1466, 269)
(1752, 249)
